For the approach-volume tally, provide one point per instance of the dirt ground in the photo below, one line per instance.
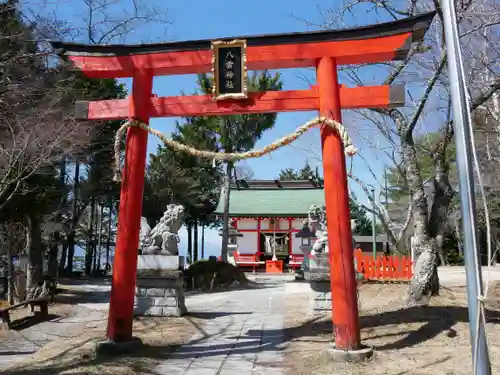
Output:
(407, 341)
(23, 317)
(417, 340)
(76, 355)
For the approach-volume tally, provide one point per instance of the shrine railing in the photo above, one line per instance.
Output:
(390, 268)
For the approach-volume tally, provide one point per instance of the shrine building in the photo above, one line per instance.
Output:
(267, 215)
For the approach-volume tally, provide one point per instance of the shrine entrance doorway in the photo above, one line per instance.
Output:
(274, 243)
(324, 50)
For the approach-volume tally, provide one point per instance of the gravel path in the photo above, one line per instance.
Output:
(243, 335)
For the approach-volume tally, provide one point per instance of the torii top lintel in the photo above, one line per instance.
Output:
(381, 42)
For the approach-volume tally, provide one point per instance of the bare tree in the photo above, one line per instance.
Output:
(424, 72)
(37, 129)
(242, 171)
(103, 21)
(33, 136)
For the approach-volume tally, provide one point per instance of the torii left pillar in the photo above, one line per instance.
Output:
(121, 304)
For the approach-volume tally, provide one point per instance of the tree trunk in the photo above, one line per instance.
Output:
(442, 257)
(89, 247)
(71, 252)
(62, 261)
(496, 250)
(424, 247)
(93, 246)
(434, 281)
(74, 219)
(34, 252)
(99, 238)
(108, 239)
(10, 263)
(203, 241)
(425, 281)
(225, 215)
(94, 242)
(195, 241)
(52, 265)
(189, 228)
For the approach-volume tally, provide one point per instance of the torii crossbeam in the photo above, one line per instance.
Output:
(324, 50)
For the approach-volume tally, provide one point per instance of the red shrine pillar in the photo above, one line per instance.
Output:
(344, 307)
(121, 306)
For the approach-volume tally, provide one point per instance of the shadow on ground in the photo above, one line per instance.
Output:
(73, 297)
(434, 319)
(147, 357)
(89, 280)
(207, 315)
(89, 290)
(244, 286)
(30, 321)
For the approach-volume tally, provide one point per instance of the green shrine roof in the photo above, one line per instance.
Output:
(272, 198)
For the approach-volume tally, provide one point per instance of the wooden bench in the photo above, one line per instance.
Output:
(295, 260)
(247, 260)
(41, 302)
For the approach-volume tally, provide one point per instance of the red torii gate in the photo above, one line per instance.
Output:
(324, 50)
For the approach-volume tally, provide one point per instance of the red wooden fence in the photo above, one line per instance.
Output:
(383, 267)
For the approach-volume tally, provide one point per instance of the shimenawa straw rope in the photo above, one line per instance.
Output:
(350, 150)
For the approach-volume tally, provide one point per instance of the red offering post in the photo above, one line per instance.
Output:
(121, 304)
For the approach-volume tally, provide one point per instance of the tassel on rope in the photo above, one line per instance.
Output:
(350, 150)
(117, 176)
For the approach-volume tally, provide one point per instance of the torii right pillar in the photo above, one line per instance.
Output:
(342, 278)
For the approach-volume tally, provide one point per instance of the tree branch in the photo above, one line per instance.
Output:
(423, 100)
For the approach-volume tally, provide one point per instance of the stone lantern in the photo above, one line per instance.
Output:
(306, 236)
(233, 235)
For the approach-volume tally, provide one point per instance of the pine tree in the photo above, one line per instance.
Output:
(239, 133)
(358, 212)
(174, 177)
(303, 173)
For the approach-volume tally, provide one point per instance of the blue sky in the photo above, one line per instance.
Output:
(201, 19)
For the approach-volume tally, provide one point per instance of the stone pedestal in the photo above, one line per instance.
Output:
(155, 262)
(320, 263)
(306, 249)
(320, 292)
(159, 288)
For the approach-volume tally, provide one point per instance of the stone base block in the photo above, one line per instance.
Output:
(320, 297)
(319, 263)
(160, 296)
(115, 348)
(146, 307)
(354, 356)
(160, 262)
(316, 276)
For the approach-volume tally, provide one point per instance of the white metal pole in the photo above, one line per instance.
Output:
(462, 121)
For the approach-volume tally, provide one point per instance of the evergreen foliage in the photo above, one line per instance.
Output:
(358, 212)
